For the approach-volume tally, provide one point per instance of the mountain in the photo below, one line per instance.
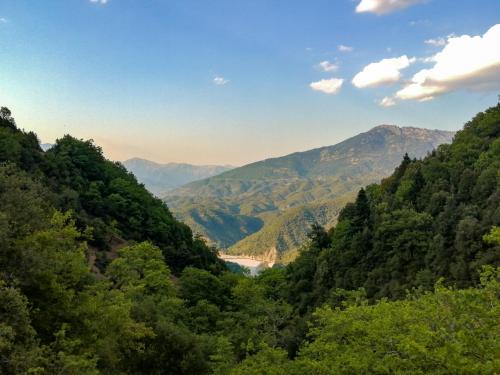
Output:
(286, 195)
(160, 178)
(46, 146)
(433, 218)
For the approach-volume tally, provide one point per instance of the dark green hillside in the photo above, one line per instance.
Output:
(103, 195)
(431, 218)
(16, 146)
(269, 189)
(427, 220)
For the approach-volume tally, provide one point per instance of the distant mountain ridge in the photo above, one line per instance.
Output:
(328, 160)
(277, 194)
(160, 178)
(46, 146)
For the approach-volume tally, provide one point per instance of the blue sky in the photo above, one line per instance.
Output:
(230, 82)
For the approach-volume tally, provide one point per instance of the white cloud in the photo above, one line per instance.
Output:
(387, 102)
(3, 20)
(328, 86)
(385, 6)
(344, 48)
(99, 1)
(384, 72)
(219, 81)
(438, 42)
(327, 66)
(466, 62)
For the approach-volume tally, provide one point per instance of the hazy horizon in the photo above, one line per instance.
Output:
(252, 161)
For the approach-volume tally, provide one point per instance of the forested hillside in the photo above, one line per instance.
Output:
(284, 233)
(276, 201)
(161, 303)
(426, 221)
(102, 195)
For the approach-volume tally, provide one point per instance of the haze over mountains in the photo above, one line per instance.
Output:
(160, 178)
(266, 208)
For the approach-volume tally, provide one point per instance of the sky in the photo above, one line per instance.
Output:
(231, 82)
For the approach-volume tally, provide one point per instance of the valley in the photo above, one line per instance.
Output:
(250, 187)
(98, 277)
(272, 204)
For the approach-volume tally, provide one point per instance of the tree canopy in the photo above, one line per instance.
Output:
(98, 277)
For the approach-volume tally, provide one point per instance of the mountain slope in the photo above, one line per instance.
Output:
(284, 233)
(160, 178)
(353, 153)
(432, 218)
(269, 188)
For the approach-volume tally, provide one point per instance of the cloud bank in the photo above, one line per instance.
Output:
(465, 62)
(328, 86)
(380, 73)
(385, 6)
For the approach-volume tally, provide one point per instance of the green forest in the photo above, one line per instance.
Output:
(98, 277)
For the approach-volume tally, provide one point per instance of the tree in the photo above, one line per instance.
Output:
(429, 333)
(20, 352)
(197, 285)
(140, 271)
(493, 237)
(267, 361)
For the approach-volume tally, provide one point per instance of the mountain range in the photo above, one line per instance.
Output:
(160, 178)
(46, 146)
(266, 209)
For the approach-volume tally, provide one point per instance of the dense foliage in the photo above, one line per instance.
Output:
(161, 303)
(103, 196)
(443, 332)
